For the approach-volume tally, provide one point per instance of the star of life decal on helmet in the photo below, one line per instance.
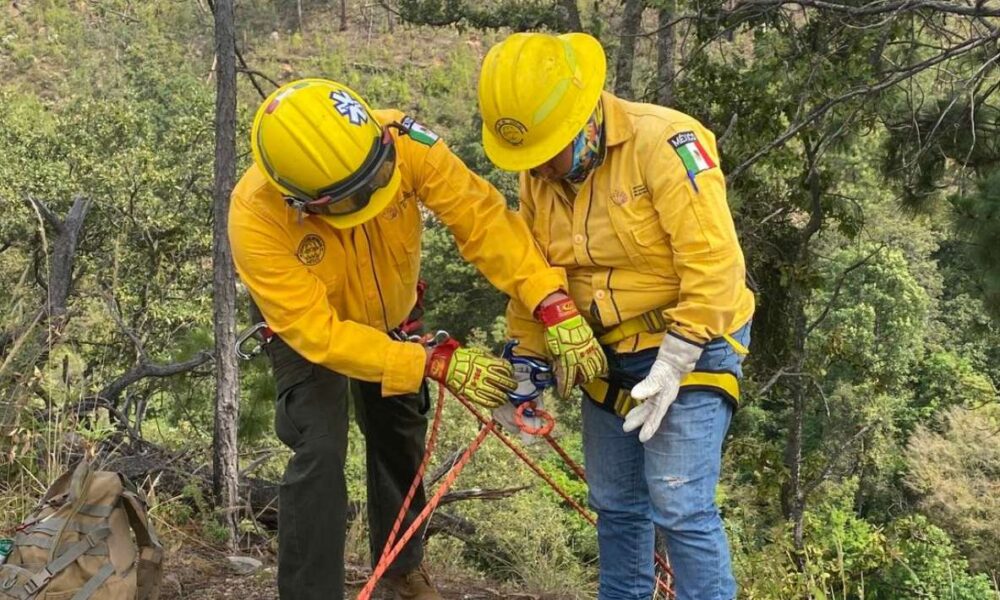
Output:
(349, 106)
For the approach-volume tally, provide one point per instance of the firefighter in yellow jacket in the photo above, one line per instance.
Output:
(630, 200)
(325, 229)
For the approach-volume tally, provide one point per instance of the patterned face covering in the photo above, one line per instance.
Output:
(588, 148)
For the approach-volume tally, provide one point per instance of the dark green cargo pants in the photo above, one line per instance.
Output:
(311, 418)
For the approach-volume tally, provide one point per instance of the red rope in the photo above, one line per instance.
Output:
(394, 547)
(419, 478)
(531, 464)
(548, 422)
(576, 468)
(660, 561)
(391, 550)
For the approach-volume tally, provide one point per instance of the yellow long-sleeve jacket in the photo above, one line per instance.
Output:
(648, 229)
(332, 294)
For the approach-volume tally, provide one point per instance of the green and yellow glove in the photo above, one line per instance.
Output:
(579, 358)
(471, 373)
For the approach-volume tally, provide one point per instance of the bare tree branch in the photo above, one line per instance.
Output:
(50, 217)
(117, 316)
(145, 369)
(834, 459)
(875, 8)
(481, 494)
(821, 110)
(839, 285)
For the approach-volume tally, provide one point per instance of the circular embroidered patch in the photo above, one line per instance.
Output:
(311, 249)
(619, 197)
(511, 130)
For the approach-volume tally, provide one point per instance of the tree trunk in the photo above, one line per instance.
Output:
(665, 58)
(793, 492)
(626, 51)
(572, 15)
(29, 343)
(226, 472)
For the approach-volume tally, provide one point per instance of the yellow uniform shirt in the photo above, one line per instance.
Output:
(332, 294)
(649, 228)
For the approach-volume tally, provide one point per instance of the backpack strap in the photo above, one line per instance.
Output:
(94, 582)
(46, 542)
(40, 579)
(79, 485)
(149, 564)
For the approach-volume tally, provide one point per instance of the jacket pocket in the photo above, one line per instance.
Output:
(649, 235)
(647, 247)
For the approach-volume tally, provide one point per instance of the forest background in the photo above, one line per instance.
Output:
(861, 142)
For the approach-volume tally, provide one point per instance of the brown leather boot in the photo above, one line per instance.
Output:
(415, 585)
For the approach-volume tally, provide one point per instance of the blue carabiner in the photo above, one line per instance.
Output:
(539, 376)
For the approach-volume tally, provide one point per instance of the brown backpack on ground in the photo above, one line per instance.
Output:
(78, 545)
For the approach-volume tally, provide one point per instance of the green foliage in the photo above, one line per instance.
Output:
(848, 557)
(926, 565)
(956, 473)
(874, 331)
(978, 220)
(199, 509)
(113, 100)
(519, 15)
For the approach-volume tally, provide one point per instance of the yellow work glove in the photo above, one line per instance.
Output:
(578, 356)
(471, 373)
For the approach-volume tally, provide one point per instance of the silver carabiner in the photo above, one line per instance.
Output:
(245, 336)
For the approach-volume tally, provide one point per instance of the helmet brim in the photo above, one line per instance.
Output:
(527, 157)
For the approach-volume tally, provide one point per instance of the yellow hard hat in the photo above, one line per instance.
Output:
(536, 92)
(318, 142)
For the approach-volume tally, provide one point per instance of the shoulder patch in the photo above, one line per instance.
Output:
(311, 250)
(692, 154)
(419, 133)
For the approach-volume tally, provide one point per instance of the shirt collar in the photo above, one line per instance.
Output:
(618, 125)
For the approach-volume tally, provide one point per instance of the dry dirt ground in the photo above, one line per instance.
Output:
(203, 574)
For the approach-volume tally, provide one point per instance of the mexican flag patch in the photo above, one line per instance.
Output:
(419, 133)
(692, 153)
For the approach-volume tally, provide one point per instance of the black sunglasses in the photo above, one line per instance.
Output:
(354, 192)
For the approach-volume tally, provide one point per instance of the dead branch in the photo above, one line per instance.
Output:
(834, 460)
(481, 494)
(146, 369)
(862, 90)
(874, 8)
(839, 285)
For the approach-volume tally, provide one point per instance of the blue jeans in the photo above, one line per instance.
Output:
(668, 483)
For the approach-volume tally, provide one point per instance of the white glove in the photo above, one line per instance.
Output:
(504, 415)
(658, 390)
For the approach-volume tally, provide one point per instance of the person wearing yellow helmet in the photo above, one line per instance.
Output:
(325, 229)
(630, 200)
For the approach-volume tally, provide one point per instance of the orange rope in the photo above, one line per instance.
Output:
(419, 478)
(394, 547)
(391, 550)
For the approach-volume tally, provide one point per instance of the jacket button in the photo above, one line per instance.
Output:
(599, 294)
(578, 238)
